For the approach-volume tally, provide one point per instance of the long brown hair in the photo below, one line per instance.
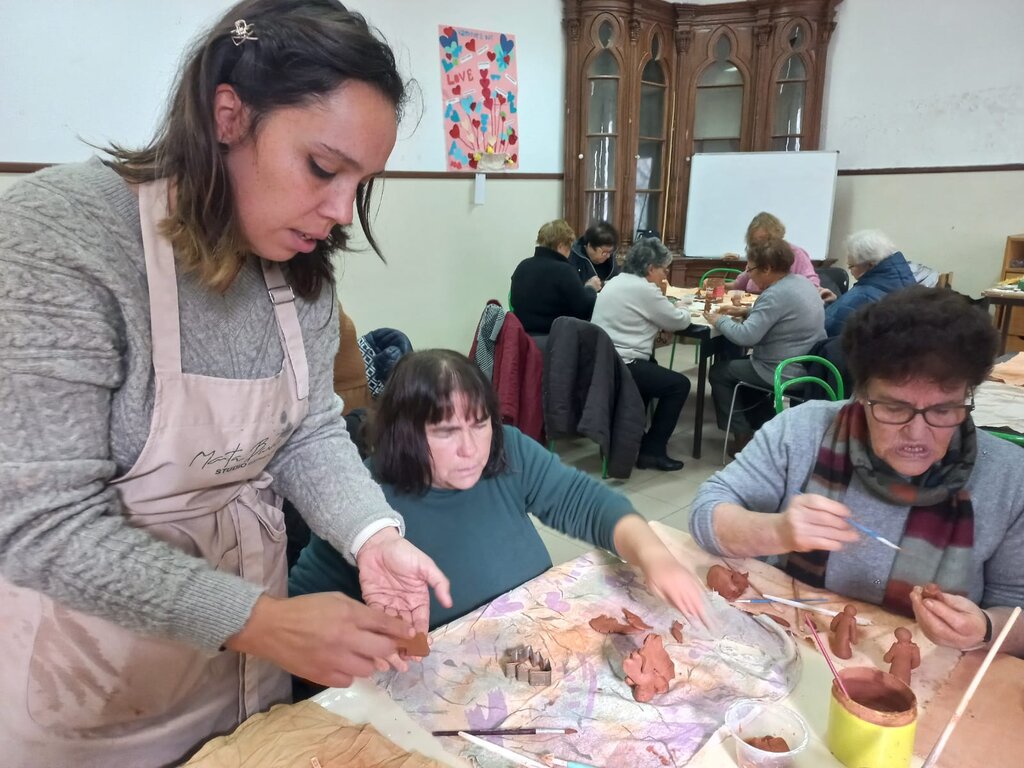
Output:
(299, 51)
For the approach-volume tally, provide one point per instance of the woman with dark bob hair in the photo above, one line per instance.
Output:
(903, 457)
(167, 341)
(465, 483)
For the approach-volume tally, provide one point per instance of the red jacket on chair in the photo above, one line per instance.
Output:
(518, 366)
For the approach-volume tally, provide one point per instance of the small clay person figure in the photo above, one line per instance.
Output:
(903, 656)
(844, 632)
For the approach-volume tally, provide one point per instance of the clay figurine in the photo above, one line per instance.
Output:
(931, 591)
(903, 656)
(648, 669)
(844, 632)
(728, 583)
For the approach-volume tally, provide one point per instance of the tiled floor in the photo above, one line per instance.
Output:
(663, 496)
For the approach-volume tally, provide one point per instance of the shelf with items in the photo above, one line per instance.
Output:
(1013, 266)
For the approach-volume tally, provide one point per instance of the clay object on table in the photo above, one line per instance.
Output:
(903, 655)
(728, 583)
(932, 591)
(844, 632)
(768, 743)
(416, 645)
(524, 664)
(677, 631)
(649, 669)
(606, 625)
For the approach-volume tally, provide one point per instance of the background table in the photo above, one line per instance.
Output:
(1007, 299)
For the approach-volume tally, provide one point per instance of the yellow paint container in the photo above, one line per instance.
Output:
(875, 726)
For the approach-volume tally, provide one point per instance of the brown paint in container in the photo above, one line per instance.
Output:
(875, 725)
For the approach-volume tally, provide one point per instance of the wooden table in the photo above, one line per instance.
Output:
(1007, 300)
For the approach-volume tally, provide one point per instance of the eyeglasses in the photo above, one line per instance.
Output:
(945, 415)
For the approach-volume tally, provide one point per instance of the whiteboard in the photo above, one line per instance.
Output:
(728, 189)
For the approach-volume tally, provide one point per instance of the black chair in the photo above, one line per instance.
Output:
(836, 279)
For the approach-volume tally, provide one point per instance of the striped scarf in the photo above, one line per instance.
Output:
(939, 534)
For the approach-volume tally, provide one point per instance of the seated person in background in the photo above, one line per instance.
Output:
(594, 253)
(764, 226)
(464, 484)
(902, 457)
(632, 309)
(877, 267)
(786, 321)
(545, 286)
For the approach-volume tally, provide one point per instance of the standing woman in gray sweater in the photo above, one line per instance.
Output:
(786, 320)
(166, 349)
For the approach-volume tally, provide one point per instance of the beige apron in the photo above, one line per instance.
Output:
(78, 690)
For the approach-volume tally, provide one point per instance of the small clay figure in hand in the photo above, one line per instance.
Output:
(903, 655)
(844, 632)
(728, 583)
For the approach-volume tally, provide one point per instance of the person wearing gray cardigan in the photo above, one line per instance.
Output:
(786, 320)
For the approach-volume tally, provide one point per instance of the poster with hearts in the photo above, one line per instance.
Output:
(479, 86)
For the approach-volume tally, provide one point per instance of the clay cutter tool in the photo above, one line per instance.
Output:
(508, 754)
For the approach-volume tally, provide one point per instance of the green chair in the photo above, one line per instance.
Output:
(723, 270)
(700, 284)
(1016, 439)
(778, 391)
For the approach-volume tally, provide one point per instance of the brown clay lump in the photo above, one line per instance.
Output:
(728, 583)
(649, 669)
(606, 625)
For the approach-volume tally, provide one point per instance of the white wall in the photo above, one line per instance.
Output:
(926, 83)
(63, 78)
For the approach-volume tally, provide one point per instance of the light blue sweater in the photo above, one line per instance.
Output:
(775, 466)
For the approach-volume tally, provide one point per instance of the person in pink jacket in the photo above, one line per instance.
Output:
(765, 226)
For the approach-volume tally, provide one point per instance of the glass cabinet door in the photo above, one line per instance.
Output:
(602, 130)
(718, 110)
(790, 95)
(650, 152)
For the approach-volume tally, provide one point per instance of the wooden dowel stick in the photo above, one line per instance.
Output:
(933, 756)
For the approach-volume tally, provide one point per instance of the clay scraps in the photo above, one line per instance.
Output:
(649, 669)
(728, 583)
(606, 625)
(416, 645)
(524, 664)
(677, 631)
(768, 743)
(931, 591)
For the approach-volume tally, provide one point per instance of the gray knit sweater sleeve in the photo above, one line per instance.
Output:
(76, 399)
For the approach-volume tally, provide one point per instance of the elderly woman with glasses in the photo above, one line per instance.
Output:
(903, 458)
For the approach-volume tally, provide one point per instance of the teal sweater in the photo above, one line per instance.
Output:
(481, 538)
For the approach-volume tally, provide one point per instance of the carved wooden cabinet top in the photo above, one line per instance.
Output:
(649, 83)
